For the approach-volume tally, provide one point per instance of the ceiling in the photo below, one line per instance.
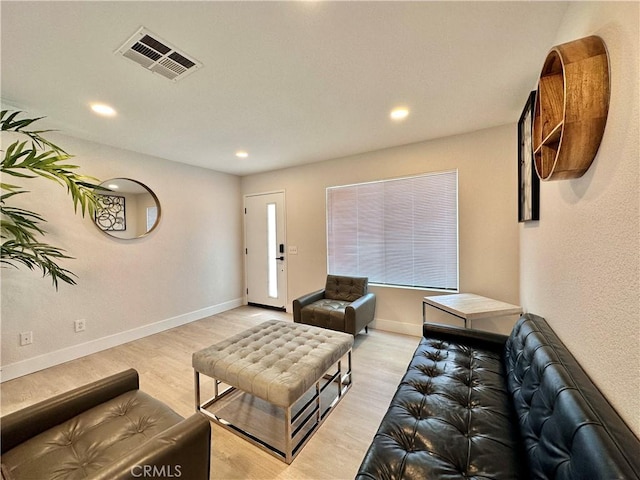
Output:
(288, 82)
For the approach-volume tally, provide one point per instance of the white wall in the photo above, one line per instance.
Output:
(187, 268)
(488, 217)
(580, 263)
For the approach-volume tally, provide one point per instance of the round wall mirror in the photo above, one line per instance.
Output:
(126, 208)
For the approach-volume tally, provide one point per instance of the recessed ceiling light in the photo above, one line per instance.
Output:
(102, 109)
(242, 154)
(399, 113)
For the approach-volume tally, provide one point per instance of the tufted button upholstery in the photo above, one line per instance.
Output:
(344, 288)
(327, 313)
(451, 418)
(83, 445)
(568, 428)
(479, 405)
(276, 361)
(103, 430)
(344, 305)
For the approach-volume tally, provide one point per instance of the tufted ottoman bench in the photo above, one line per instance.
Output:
(280, 363)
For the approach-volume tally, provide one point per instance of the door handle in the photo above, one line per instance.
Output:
(281, 257)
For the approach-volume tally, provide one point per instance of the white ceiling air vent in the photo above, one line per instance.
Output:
(153, 53)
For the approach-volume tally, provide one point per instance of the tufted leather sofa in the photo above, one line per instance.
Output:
(474, 404)
(345, 305)
(106, 430)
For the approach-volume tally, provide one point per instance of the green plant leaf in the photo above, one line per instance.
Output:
(20, 228)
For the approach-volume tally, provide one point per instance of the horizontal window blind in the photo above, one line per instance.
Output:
(400, 232)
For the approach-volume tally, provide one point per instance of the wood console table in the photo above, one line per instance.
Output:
(469, 307)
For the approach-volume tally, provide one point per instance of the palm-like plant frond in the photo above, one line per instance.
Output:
(20, 228)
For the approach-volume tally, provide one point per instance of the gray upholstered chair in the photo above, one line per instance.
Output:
(105, 430)
(344, 305)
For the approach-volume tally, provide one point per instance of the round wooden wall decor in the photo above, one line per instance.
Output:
(571, 108)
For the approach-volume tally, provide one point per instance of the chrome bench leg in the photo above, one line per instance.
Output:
(196, 381)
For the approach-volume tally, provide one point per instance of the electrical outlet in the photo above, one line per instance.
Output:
(79, 325)
(26, 338)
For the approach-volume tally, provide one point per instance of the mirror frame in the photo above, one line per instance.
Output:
(151, 192)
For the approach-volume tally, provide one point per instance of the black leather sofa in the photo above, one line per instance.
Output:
(106, 430)
(479, 405)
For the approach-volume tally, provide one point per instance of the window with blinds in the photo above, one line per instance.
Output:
(401, 232)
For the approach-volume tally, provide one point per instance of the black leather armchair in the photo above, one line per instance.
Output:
(344, 305)
(107, 429)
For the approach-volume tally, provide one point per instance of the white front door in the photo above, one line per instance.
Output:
(265, 262)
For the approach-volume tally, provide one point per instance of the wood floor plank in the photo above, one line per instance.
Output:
(164, 363)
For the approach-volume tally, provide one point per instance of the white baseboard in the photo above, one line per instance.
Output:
(412, 329)
(30, 365)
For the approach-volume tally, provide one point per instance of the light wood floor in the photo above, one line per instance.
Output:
(164, 364)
